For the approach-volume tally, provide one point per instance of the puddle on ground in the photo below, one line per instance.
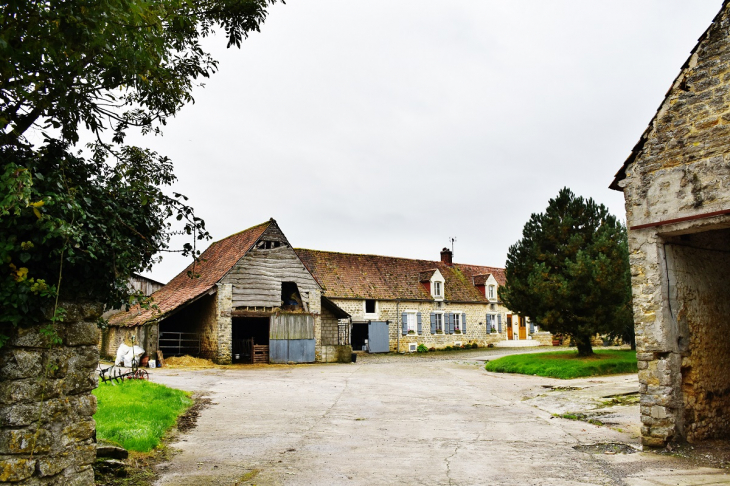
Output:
(606, 448)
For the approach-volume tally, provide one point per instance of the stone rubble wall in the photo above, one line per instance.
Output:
(682, 170)
(64, 436)
(390, 311)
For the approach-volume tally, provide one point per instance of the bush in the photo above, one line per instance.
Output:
(474, 346)
(422, 348)
(431, 349)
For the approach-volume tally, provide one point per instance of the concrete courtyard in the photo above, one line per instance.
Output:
(410, 420)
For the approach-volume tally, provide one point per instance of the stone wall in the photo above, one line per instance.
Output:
(224, 324)
(681, 169)
(144, 336)
(476, 329)
(64, 436)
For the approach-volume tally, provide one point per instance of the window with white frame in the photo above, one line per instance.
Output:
(370, 306)
(411, 322)
(492, 293)
(458, 319)
(438, 289)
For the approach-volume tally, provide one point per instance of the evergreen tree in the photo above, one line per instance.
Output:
(570, 271)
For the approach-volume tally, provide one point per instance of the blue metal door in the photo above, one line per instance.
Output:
(291, 338)
(378, 338)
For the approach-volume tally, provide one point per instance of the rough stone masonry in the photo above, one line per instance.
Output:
(676, 184)
(47, 430)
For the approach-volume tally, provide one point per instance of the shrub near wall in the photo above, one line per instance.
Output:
(46, 424)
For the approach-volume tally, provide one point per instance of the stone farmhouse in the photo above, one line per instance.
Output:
(676, 184)
(258, 299)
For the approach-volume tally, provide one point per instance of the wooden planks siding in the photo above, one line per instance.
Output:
(292, 326)
(257, 277)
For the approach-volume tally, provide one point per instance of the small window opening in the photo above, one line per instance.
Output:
(291, 299)
(267, 245)
(370, 306)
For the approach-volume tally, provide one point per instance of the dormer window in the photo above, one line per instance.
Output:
(492, 292)
(437, 286)
(438, 290)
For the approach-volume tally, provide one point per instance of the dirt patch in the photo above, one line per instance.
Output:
(562, 388)
(189, 420)
(711, 453)
(606, 448)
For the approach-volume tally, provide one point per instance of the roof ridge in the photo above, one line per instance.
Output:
(394, 257)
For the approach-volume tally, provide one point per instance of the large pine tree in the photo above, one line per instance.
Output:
(570, 271)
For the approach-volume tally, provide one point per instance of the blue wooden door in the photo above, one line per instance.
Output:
(291, 338)
(378, 338)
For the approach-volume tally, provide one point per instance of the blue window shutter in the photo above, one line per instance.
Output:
(420, 325)
(433, 323)
(499, 323)
(463, 323)
(404, 320)
(450, 318)
(488, 322)
(532, 327)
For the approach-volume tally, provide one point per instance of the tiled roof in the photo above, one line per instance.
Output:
(346, 275)
(214, 263)
(472, 271)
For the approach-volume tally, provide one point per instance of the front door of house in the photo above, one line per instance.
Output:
(510, 332)
(523, 327)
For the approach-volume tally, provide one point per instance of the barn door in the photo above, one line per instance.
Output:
(510, 332)
(378, 339)
(291, 339)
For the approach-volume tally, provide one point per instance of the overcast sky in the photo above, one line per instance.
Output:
(388, 126)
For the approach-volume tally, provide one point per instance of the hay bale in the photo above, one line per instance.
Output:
(188, 362)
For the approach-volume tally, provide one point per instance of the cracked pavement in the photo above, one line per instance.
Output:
(408, 421)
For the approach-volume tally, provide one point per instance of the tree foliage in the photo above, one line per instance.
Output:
(570, 271)
(87, 219)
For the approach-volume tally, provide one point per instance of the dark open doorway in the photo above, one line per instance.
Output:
(359, 335)
(247, 332)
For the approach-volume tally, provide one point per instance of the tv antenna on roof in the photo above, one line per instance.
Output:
(452, 239)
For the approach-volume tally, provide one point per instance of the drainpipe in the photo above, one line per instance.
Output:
(397, 325)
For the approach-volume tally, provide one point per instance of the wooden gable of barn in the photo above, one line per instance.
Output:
(270, 274)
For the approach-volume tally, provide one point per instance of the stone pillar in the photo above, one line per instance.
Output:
(223, 307)
(54, 409)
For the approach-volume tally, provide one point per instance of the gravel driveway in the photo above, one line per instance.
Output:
(432, 420)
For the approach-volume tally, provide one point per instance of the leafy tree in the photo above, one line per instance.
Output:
(570, 271)
(80, 222)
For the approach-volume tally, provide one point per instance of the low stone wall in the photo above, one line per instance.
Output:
(334, 354)
(47, 430)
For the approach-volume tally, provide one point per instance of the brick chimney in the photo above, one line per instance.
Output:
(446, 257)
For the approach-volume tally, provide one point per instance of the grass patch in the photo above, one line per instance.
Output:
(567, 364)
(136, 414)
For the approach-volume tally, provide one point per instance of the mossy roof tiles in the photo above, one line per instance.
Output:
(354, 276)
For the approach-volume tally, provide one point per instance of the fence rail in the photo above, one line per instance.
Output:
(179, 343)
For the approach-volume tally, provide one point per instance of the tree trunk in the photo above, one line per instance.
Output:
(583, 343)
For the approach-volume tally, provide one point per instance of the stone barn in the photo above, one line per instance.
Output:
(251, 299)
(676, 185)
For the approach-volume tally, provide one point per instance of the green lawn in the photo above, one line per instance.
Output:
(136, 414)
(567, 364)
